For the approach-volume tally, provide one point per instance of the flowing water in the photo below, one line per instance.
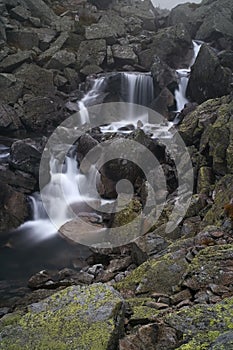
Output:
(36, 245)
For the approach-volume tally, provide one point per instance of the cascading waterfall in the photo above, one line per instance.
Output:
(139, 88)
(183, 76)
(89, 98)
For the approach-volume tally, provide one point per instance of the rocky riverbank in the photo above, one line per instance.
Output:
(164, 290)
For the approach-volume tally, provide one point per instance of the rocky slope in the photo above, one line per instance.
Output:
(165, 290)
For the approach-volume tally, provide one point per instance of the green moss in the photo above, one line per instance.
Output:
(141, 312)
(157, 275)
(204, 324)
(67, 321)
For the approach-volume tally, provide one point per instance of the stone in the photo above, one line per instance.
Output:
(210, 265)
(41, 114)
(14, 208)
(23, 39)
(38, 8)
(11, 88)
(9, 120)
(54, 47)
(84, 317)
(37, 81)
(18, 179)
(91, 69)
(209, 325)
(84, 145)
(12, 62)
(124, 54)
(91, 52)
(25, 156)
(208, 80)
(163, 75)
(61, 59)
(46, 36)
(226, 58)
(20, 13)
(172, 44)
(156, 275)
(150, 337)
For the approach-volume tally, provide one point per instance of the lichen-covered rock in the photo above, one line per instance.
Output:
(76, 318)
(159, 275)
(210, 266)
(204, 326)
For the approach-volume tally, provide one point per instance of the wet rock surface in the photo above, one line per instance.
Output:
(173, 290)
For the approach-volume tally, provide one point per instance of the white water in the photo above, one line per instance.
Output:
(183, 76)
(69, 188)
(4, 152)
(89, 99)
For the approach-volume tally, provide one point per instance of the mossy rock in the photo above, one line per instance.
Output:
(84, 318)
(156, 275)
(203, 326)
(210, 265)
(223, 194)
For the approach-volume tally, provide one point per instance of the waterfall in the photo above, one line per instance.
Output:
(183, 76)
(89, 99)
(139, 88)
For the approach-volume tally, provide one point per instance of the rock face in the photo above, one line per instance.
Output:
(77, 317)
(208, 78)
(210, 21)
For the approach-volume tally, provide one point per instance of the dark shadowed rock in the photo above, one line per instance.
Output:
(12, 62)
(41, 114)
(208, 78)
(39, 9)
(23, 182)
(14, 209)
(124, 54)
(24, 39)
(25, 156)
(61, 59)
(163, 75)
(11, 88)
(9, 120)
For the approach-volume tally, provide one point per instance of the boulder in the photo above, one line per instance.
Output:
(38, 8)
(226, 58)
(46, 36)
(25, 156)
(172, 44)
(61, 59)
(124, 54)
(91, 52)
(24, 39)
(210, 21)
(77, 317)
(163, 75)
(41, 114)
(208, 78)
(14, 208)
(9, 120)
(20, 13)
(37, 81)
(11, 62)
(57, 45)
(11, 88)
(109, 27)
(21, 181)
(209, 325)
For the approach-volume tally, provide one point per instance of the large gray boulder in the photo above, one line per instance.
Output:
(210, 21)
(172, 44)
(39, 9)
(25, 39)
(37, 81)
(11, 62)
(91, 52)
(208, 78)
(76, 318)
(124, 54)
